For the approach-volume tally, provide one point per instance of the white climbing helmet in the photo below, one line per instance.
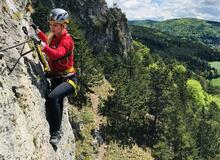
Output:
(58, 15)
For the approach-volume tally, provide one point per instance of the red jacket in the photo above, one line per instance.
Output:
(59, 47)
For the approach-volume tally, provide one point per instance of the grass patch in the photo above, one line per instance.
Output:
(215, 65)
(17, 16)
(215, 82)
(115, 152)
(216, 99)
(5, 7)
(35, 141)
(104, 90)
(87, 115)
(84, 149)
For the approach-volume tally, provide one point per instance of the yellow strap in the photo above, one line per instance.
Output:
(70, 70)
(44, 62)
(74, 85)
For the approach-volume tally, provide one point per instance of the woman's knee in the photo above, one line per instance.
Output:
(51, 97)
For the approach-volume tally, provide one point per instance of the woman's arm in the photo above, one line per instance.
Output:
(42, 35)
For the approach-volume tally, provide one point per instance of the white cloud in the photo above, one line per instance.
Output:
(167, 9)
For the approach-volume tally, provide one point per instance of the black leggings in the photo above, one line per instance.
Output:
(54, 101)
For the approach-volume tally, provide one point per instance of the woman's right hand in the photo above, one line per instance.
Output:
(34, 26)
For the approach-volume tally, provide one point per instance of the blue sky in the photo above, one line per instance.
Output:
(168, 9)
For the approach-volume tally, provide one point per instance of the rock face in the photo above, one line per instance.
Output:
(24, 130)
(105, 29)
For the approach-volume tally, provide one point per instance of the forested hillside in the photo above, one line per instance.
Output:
(161, 97)
(159, 103)
(194, 54)
(174, 45)
(204, 31)
(142, 22)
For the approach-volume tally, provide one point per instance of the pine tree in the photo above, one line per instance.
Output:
(208, 133)
(160, 88)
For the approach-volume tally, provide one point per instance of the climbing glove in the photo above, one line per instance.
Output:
(34, 26)
(35, 39)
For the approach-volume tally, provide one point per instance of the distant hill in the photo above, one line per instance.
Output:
(142, 22)
(194, 54)
(167, 44)
(204, 31)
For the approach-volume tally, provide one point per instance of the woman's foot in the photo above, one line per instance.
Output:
(55, 137)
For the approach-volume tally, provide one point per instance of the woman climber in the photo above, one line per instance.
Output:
(58, 47)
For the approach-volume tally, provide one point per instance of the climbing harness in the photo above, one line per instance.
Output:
(64, 57)
(74, 85)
